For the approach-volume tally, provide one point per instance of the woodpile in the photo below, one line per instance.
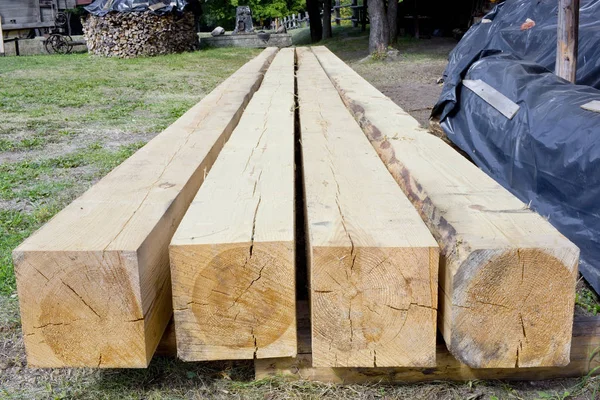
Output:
(296, 167)
(136, 34)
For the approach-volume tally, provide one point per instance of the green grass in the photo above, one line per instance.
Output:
(23, 144)
(588, 300)
(79, 89)
(14, 227)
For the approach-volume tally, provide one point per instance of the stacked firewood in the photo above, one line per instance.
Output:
(127, 35)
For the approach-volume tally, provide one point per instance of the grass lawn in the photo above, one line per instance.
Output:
(68, 120)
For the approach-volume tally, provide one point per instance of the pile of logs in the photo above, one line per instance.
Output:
(127, 35)
(295, 168)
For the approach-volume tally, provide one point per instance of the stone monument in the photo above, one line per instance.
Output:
(243, 20)
(244, 35)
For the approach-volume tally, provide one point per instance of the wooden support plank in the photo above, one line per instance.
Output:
(568, 39)
(494, 98)
(94, 282)
(1, 39)
(507, 277)
(232, 257)
(584, 359)
(373, 263)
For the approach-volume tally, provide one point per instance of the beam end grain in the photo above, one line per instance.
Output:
(230, 305)
(517, 303)
(374, 308)
(88, 305)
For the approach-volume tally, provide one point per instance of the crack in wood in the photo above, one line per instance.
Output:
(254, 227)
(50, 324)
(235, 301)
(374, 358)
(81, 298)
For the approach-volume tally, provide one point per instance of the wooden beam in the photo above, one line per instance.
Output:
(232, 257)
(94, 282)
(507, 277)
(373, 263)
(585, 360)
(568, 38)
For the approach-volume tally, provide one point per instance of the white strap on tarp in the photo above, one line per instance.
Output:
(494, 98)
(593, 105)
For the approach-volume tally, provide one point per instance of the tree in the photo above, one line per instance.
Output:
(326, 19)
(379, 36)
(314, 15)
(392, 17)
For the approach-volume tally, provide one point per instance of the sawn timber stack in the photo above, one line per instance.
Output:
(373, 264)
(507, 277)
(94, 282)
(232, 257)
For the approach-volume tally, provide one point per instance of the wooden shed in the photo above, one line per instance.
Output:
(32, 14)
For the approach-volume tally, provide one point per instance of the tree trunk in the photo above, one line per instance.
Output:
(326, 19)
(392, 17)
(316, 29)
(378, 38)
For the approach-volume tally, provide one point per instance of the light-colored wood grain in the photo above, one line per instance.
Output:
(568, 39)
(507, 277)
(232, 257)
(94, 282)
(373, 263)
(494, 98)
(584, 359)
(1, 39)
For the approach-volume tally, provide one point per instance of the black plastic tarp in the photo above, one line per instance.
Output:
(103, 7)
(548, 154)
(538, 44)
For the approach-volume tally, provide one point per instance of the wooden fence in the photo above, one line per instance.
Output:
(359, 13)
(359, 16)
(295, 21)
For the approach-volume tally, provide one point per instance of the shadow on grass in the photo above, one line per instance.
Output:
(172, 377)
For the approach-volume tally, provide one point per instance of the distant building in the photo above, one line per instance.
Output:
(34, 14)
